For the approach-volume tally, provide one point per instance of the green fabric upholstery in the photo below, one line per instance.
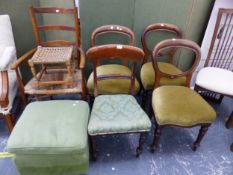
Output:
(117, 114)
(148, 75)
(178, 105)
(112, 86)
(50, 137)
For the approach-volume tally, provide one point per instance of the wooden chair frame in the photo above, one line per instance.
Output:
(113, 52)
(217, 60)
(4, 101)
(164, 27)
(177, 43)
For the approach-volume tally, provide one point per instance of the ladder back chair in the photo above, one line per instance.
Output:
(113, 85)
(54, 73)
(118, 113)
(179, 106)
(147, 73)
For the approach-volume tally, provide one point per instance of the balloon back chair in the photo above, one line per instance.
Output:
(118, 113)
(179, 106)
(147, 73)
(113, 85)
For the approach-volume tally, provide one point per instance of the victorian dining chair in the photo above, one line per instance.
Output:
(116, 113)
(147, 73)
(113, 85)
(179, 106)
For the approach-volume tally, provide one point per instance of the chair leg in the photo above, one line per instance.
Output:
(231, 147)
(157, 135)
(200, 136)
(144, 97)
(9, 122)
(142, 140)
(229, 122)
(93, 147)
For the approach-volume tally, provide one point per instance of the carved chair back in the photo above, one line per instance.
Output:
(175, 44)
(41, 28)
(113, 52)
(160, 27)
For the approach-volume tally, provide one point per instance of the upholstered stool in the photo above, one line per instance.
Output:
(51, 138)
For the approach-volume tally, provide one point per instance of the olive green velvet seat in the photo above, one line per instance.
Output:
(112, 85)
(147, 75)
(113, 114)
(181, 106)
(50, 138)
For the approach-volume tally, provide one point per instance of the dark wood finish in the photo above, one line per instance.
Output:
(176, 43)
(158, 27)
(229, 122)
(106, 29)
(115, 51)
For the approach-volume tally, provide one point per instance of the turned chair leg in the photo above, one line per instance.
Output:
(200, 136)
(142, 140)
(93, 147)
(9, 122)
(229, 122)
(157, 135)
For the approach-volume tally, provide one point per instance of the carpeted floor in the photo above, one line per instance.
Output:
(116, 154)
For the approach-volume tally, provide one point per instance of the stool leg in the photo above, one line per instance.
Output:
(200, 136)
(229, 122)
(93, 147)
(9, 122)
(142, 140)
(157, 134)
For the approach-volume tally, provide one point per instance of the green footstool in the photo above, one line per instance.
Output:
(51, 138)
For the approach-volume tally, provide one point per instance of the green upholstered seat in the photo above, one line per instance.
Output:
(148, 75)
(50, 138)
(178, 105)
(112, 86)
(117, 114)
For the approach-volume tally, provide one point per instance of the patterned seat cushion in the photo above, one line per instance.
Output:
(178, 105)
(112, 86)
(117, 114)
(148, 75)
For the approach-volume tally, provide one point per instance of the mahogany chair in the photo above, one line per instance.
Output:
(113, 85)
(147, 73)
(8, 82)
(118, 113)
(179, 106)
(78, 57)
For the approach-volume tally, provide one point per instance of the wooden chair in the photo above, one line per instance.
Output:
(118, 113)
(54, 74)
(113, 85)
(8, 82)
(147, 73)
(179, 106)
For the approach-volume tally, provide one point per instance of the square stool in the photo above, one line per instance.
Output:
(51, 138)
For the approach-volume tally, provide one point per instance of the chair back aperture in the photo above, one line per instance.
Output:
(175, 43)
(160, 27)
(34, 11)
(113, 52)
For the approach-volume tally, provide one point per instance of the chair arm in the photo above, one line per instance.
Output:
(8, 56)
(24, 57)
(82, 58)
(4, 101)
